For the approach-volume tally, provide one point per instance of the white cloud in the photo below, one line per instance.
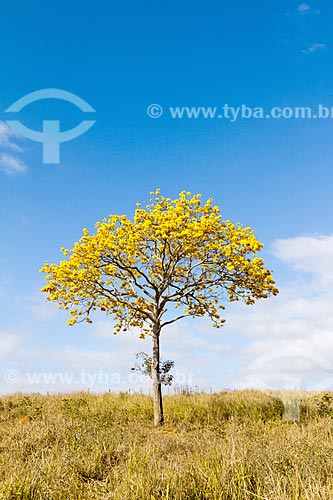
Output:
(314, 47)
(94, 359)
(39, 307)
(294, 362)
(291, 336)
(22, 218)
(9, 343)
(9, 137)
(10, 165)
(303, 7)
(309, 254)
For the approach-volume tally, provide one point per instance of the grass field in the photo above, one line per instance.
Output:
(226, 446)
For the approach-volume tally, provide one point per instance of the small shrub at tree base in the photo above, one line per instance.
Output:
(145, 368)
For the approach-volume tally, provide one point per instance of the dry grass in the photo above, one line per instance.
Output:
(226, 446)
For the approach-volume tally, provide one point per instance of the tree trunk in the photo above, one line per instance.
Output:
(157, 388)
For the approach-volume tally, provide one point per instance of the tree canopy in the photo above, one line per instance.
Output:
(177, 253)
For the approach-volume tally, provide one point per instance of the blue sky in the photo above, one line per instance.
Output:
(274, 175)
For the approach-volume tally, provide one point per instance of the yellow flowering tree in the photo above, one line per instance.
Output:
(176, 258)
